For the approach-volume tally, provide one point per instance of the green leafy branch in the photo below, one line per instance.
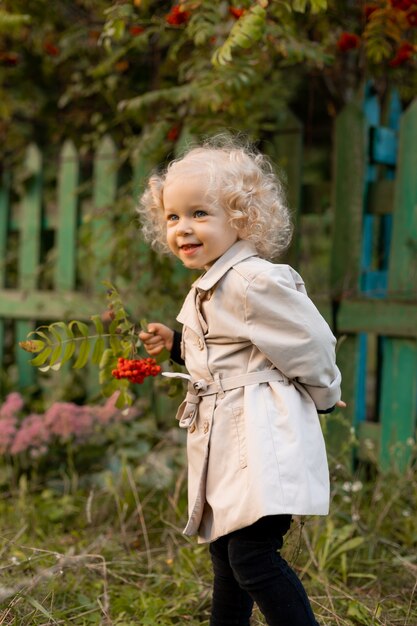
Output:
(58, 343)
(12, 21)
(244, 34)
(383, 32)
(315, 5)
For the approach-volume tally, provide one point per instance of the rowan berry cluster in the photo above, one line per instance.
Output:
(177, 16)
(136, 370)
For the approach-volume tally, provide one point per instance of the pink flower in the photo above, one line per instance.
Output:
(66, 420)
(31, 434)
(62, 422)
(7, 433)
(12, 405)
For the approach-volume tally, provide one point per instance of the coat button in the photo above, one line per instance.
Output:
(200, 344)
(192, 428)
(206, 427)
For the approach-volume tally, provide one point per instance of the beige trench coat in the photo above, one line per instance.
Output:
(261, 361)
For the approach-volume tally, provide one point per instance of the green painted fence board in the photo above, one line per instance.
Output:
(30, 221)
(402, 275)
(384, 317)
(141, 167)
(347, 198)
(29, 252)
(398, 410)
(66, 232)
(399, 376)
(4, 218)
(286, 151)
(349, 173)
(104, 195)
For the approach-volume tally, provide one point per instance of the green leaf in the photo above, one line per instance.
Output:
(116, 345)
(351, 544)
(41, 357)
(40, 333)
(82, 354)
(98, 351)
(144, 324)
(115, 323)
(318, 5)
(55, 333)
(68, 352)
(96, 319)
(67, 330)
(299, 5)
(106, 358)
(126, 326)
(112, 386)
(12, 21)
(125, 399)
(38, 606)
(83, 328)
(56, 353)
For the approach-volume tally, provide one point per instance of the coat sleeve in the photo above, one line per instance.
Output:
(286, 326)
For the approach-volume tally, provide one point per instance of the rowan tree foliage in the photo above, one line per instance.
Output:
(145, 69)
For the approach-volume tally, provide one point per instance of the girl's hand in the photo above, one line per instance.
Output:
(341, 404)
(157, 338)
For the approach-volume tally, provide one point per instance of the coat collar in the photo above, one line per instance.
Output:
(190, 314)
(240, 251)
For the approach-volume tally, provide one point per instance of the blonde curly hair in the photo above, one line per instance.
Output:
(239, 179)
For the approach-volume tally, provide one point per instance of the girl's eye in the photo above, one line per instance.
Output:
(172, 217)
(200, 213)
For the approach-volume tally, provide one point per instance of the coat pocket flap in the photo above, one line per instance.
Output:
(187, 413)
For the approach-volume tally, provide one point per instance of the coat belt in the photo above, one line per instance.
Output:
(187, 412)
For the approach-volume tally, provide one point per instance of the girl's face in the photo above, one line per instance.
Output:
(198, 233)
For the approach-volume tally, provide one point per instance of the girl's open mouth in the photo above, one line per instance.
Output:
(189, 248)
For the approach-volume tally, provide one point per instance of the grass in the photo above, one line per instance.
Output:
(111, 552)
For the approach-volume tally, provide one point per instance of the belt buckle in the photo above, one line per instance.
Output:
(200, 385)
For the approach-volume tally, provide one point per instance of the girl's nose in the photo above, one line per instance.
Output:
(184, 227)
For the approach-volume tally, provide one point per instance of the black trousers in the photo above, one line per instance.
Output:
(248, 568)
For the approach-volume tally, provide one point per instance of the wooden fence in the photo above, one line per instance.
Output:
(374, 273)
(27, 224)
(372, 302)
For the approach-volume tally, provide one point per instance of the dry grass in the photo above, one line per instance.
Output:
(113, 554)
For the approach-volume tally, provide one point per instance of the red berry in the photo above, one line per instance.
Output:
(136, 30)
(348, 41)
(177, 16)
(236, 12)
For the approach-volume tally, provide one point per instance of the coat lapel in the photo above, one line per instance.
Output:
(235, 254)
(190, 314)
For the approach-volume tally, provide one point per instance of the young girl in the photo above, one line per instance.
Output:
(261, 363)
